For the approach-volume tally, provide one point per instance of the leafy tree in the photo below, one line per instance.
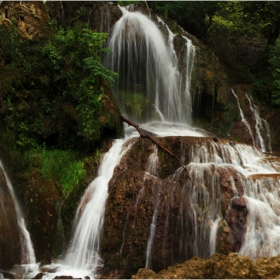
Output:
(248, 18)
(264, 17)
(194, 16)
(230, 20)
(275, 63)
(53, 90)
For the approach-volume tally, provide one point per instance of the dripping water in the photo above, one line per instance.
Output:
(27, 251)
(152, 168)
(213, 234)
(243, 118)
(259, 127)
(153, 226)
(85, 245)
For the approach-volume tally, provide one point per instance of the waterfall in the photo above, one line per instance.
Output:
(213, 234)
(153, 162)
(149, 81)
(243, 118)
(153, 226)
(260, 127)
(27, 251)
(84, 249)
(190, 55)
(152, 168)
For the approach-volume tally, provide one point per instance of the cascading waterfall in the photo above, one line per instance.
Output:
(152, 168)
(153, 226)
(27, 251)
(260, 175)
(190, 55)
(260, 127)
(148, 87)
(243, 118)
(84, 249)
(148, 77)
(213, 234)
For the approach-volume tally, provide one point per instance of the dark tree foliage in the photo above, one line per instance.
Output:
(194, 16)
(264, 16)
(52, 89)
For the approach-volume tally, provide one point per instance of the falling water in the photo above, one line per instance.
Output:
(149, 81)
(83, 254)
(27, 251)
(213, 234)
(260, 175)
(259, 127)
(153, 162)
(243, 118)
(190, 55)
(152, 168)
(153, 226)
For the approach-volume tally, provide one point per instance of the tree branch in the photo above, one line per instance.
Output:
(142, 135)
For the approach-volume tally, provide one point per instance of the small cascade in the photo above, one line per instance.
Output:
(152, 168)
(27, 251)
(213, 235)
(190, 56)
(153, 162)
(261, 182)
(153, 226)
(232, 187)
(261, 127)
(105, 19)
(148, 87)
(243, 118)
(83, 254)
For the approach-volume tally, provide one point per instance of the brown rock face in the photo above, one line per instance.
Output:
(10, 249)
(42, 216)
(31, 17)
(161, 219)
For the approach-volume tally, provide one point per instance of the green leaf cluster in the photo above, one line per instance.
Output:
(53, 89)
(275, 64)
(58, 166)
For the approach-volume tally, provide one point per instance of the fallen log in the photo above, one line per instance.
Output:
(142, 135)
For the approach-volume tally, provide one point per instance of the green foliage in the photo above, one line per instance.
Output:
(134, 102)
(262, 91)
(230, 19)
(194, 16)
(275, 63)
(56, 165)
(53, 89)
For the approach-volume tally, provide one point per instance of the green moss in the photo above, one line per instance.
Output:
(57, 166)
(134, 102)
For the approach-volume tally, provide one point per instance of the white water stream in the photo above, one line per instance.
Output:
(243, 118)
(83, 256)
(27, 251)
(148, 72)
(84, 249)
(260, 127)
